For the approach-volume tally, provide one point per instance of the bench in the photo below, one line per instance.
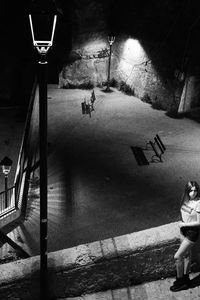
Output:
(88, 105)
(158, 147)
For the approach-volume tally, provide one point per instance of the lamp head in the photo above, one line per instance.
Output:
(111, 38)
(6, 164)
(42, 17)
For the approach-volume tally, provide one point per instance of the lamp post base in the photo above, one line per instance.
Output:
(108, 90)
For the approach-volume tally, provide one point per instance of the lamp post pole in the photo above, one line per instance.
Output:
(6, 191)
(111, 40)
(108, 79)
(42, 66)
(43, 45)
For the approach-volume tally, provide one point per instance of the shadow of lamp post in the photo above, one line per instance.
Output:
(111, 39)
(6, 164)
(43, 19)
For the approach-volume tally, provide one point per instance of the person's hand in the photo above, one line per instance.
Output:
(181, 224)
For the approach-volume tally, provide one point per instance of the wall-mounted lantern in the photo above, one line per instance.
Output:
(6, 164)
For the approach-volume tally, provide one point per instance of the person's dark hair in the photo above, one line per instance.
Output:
(187, 190)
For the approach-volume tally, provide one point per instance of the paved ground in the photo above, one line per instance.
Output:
(155, 290)
(109, 194)
(96, 189)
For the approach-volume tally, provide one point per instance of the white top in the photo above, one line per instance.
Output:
(186, 213)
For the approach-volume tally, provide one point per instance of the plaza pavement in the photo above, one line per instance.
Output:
(96, 188)
(109, 193)
(155, 290)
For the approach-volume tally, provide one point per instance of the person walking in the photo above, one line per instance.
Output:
(189, 229)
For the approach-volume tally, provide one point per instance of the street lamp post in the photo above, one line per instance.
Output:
(42, 37)
(6, 164)
(111, 39)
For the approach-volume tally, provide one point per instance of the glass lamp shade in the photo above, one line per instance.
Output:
(42, 17)
(42, 29)
(6, 164)
(111, 39)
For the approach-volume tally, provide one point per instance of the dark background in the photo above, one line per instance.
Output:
(172, 26)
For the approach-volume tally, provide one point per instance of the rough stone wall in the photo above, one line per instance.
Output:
(130, 65)
(168, 31)
(88, 62)
(134, 66)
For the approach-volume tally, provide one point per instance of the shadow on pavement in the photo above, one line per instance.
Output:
(139, 156)
(195, 282)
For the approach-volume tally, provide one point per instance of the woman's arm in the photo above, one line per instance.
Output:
(191, 224)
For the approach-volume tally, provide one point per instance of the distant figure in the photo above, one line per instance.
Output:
(189, 228)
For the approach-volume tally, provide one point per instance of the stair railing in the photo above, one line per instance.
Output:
(25, 158)
(17, 195)
(7, 204)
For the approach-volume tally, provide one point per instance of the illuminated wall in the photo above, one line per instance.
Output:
(138, 71)
(87, 62)
(130, 64)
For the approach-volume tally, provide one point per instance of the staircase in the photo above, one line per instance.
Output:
(12, 212)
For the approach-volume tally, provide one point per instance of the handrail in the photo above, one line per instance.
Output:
(24, 155)
(22, 171)
(7, 204)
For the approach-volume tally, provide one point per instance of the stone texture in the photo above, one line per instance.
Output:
(122, 244)
(131, 259)
(95, 251)
(89, 62)
(130, 65)
(108, 248)
(119, 294)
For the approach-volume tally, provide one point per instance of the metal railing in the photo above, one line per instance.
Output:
(17, 195)
(22, 175)
(7, 204)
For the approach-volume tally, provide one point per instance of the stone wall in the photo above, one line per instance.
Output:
(130, 66)
(87, 62)
(116, 262)
(135, 66)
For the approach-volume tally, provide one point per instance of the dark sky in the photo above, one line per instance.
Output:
(140, 17)
(177, 22)
(14, 28)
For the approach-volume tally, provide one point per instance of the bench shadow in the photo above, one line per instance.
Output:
(139, 156)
